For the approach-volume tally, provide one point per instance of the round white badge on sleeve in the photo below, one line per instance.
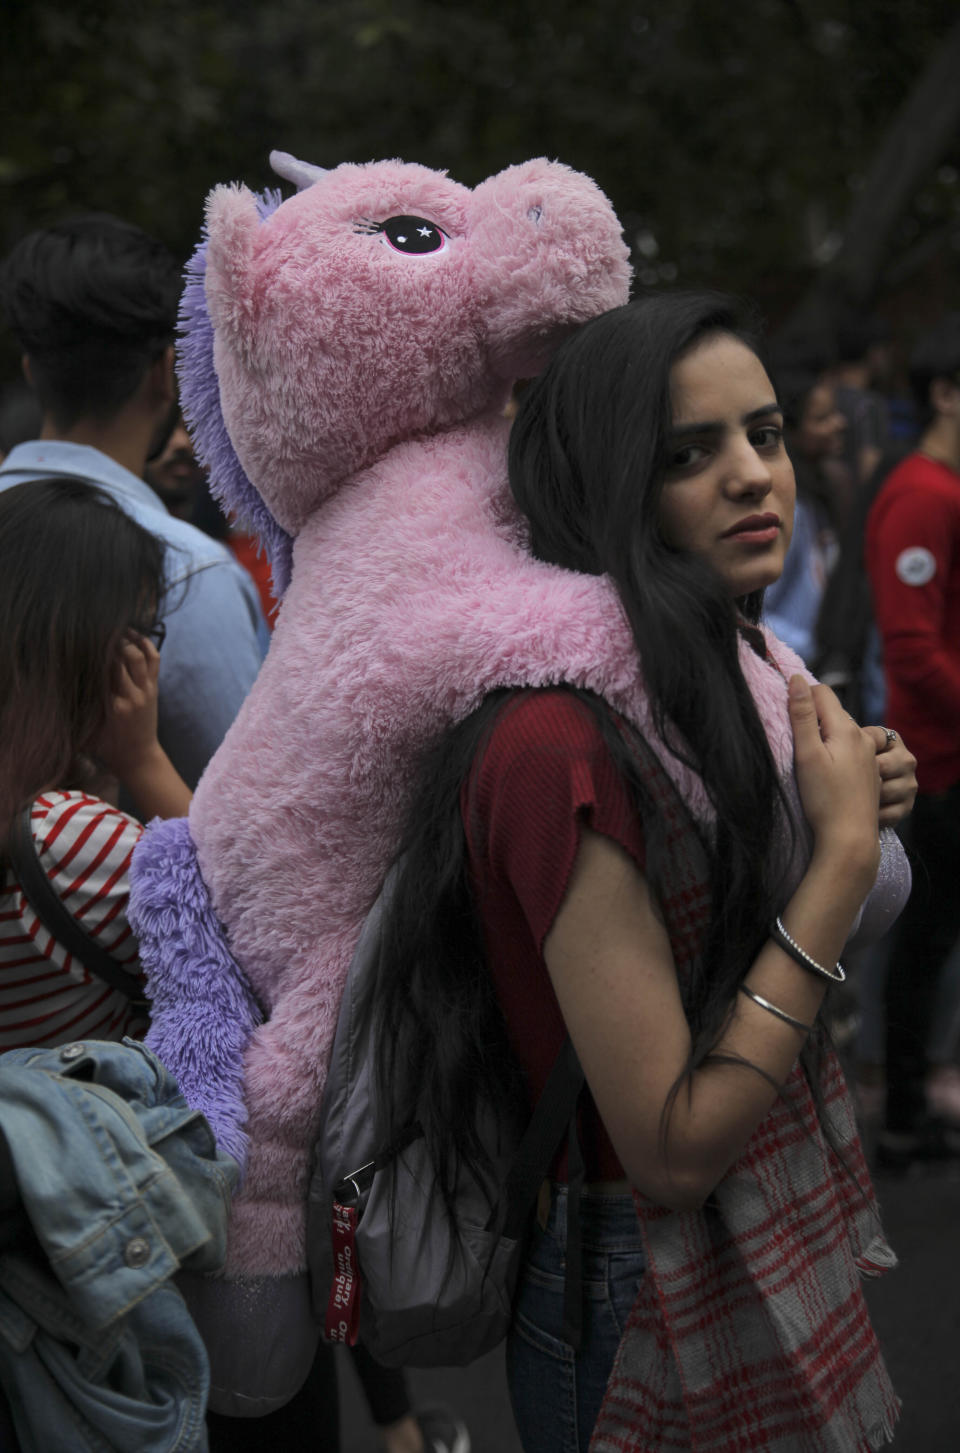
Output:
(916, 566)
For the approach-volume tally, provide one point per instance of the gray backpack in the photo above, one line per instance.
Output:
(387, 1267)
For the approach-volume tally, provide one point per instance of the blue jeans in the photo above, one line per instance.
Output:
(556, 1394)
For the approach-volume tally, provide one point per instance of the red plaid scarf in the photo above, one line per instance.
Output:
(750, 1331)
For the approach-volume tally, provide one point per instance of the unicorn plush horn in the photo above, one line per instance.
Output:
(302, 173)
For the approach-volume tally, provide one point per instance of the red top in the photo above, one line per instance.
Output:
(543, 772)
(913, 559)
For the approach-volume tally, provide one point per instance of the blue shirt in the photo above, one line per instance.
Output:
(792, 604)
(216, 634)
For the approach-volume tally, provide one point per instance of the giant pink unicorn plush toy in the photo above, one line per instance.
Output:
(347, 357)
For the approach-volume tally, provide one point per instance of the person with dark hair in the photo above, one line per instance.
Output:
(863, 354)
(662, 884)
(81, 594)
(913, 559)
(178, 478)
(814, 431)
(93, 305)
(20, 415)
(181, 482)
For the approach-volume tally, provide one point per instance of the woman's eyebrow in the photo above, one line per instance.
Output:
(717, 426)
(764, 411)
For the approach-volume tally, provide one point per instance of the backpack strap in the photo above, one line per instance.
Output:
(573, 1280)
(58, 920)
(556, 1111)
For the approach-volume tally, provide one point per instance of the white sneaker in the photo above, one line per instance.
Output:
(442, 1430)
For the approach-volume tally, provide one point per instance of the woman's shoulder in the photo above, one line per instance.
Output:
(536, 734)
(544, 717)
(543, 771)
(546, 755)
(71, 816)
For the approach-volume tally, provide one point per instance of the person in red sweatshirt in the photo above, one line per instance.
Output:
(913, 560)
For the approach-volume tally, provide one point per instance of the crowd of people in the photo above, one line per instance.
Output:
(737, 496)
(867, 599)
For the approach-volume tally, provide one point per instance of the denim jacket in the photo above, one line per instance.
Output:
(121, 1184)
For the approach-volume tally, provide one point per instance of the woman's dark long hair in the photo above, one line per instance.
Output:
(75, 573)
(588, 452)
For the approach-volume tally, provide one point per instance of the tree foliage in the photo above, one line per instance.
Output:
(733, 140)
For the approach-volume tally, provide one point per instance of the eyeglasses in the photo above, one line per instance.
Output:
(156, 633)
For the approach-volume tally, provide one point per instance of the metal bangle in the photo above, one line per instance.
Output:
(772, 1009)
(780, 936)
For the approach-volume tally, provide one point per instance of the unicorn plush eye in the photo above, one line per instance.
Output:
(413, 235)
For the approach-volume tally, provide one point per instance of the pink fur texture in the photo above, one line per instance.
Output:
(331, 346)
(362, 390)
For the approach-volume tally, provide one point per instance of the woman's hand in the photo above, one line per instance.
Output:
(838, 781)
(128, 737)
(127, 742)
(897, 768)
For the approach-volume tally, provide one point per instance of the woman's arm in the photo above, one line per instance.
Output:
(610, 961)
(127, 742)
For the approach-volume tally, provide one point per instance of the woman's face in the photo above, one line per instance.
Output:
(728, 491)
(822, 427)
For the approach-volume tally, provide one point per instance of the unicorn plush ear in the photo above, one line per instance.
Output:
(302, 173)
(199, 389)
(233, 223)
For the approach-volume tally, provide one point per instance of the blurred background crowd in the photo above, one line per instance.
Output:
(805, 153)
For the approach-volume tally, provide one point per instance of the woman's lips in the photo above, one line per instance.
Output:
(755, 530)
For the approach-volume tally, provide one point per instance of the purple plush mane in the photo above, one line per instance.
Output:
(200, 398)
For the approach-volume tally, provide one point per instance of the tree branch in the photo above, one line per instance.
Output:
(916, 138)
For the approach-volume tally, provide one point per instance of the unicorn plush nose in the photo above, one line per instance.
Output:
(548, 253)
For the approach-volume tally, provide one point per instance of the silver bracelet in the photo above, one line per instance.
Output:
(779, 934)
(772, 1009)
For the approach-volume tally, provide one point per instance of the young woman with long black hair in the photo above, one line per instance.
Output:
(677, 900)
(81, 591)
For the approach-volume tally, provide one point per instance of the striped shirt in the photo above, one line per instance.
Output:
(46, 996)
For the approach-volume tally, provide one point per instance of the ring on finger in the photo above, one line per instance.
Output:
(891, 736)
